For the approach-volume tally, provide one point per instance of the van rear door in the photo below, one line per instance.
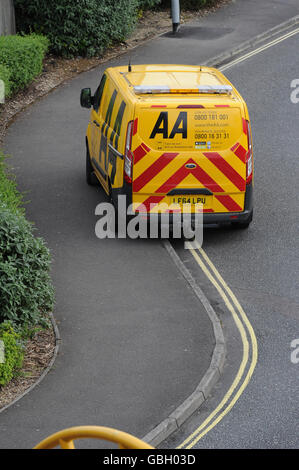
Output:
(188, 154)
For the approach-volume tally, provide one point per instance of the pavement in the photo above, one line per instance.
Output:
(136, 341)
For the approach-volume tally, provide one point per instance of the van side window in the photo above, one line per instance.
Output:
(99, 93)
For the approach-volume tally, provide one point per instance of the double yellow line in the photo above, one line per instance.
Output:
(259, 49)
(249, 354)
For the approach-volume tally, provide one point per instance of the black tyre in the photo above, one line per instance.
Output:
(91, 178)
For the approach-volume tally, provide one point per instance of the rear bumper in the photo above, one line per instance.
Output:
(226, 217)
(208, 218)
(222, 217)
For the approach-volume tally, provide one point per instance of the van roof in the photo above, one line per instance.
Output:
(147, 82)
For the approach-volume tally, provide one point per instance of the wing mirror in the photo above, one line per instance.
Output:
(86, 100)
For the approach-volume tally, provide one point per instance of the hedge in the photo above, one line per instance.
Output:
(5, 77)
(23, 57)
(9, 195)
(195, 4)
(13, 353)
(26, 291)
(147, 4)
(78, 27)
(184, 4)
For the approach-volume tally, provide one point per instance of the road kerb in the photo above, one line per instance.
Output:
(221, 59)
(161, 432)
(202, 391)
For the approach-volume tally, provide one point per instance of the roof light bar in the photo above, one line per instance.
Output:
(215, 89)
(145, 89)
(153, 89)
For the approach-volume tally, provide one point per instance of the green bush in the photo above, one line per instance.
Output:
(195, 4)
(9, 195)
(23, 57)
(78, 27)
(26, 292)
(147, 4)
(5, 77)
(13, 353)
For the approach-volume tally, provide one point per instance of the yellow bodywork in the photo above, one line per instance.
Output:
(183, 139)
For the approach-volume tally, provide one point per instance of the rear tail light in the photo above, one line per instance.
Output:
(128, 160)
(249, 159)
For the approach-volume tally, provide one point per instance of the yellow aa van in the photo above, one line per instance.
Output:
(171, 135)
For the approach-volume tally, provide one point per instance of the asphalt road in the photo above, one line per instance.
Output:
(261, 265)
(135, 340)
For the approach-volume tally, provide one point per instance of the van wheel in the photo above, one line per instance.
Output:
(91, 178)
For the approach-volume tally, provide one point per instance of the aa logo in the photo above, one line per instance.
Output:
(161, 126)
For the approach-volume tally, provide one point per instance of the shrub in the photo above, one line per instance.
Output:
(23, 57)
(195, 4)
(13, 353)
(5, 76)
(26, 292)
(9, 195)
(147, 4)
(78, 27)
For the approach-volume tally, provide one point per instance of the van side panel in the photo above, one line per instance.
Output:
(112, 119)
